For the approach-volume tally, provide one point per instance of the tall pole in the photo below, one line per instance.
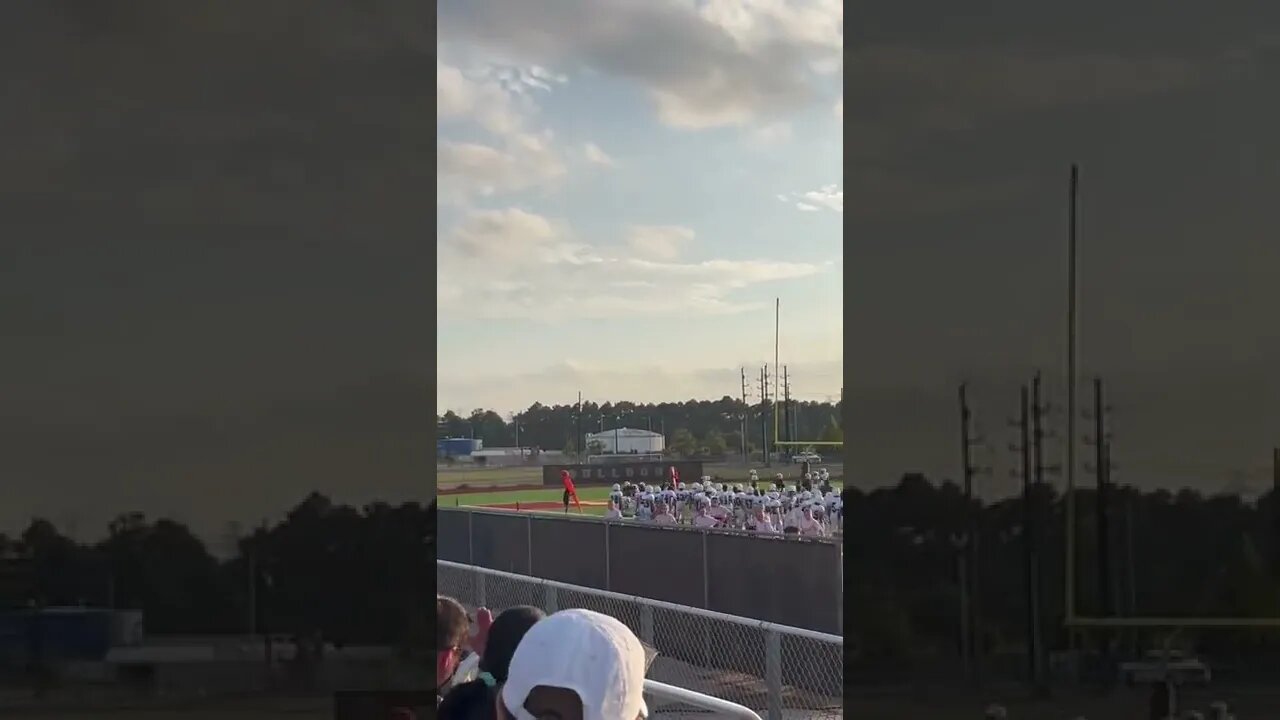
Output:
(1028, 524)
(1069, 585)
(578, 439)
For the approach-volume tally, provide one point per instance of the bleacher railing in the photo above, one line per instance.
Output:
(770, 670)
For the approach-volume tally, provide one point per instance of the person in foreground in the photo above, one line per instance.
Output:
(454, 639)
(474, 700)
(576, 665)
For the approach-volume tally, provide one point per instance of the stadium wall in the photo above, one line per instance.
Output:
(622, 471)
(791, 582)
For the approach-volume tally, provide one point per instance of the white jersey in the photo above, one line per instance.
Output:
(704, 521)
(761, 525)
(664, 519)
(613, 513)
(793, 518)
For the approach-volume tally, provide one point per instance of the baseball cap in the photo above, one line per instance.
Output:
(594, 655)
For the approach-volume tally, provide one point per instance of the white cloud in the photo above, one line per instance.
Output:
(596, 156)
(514, 157)
(705, 63)
(468, 169)
(830, 197)
(516, 264)
(658, 242)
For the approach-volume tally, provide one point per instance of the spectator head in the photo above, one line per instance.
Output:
(576, 665)
(475, 700)
(452, 630)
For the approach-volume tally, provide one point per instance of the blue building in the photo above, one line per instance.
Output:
(457, 447)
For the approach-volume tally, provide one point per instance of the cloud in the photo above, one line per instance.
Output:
(659, 242)
(704, 64)
(465, 170)
(830, 197)
(513, 157)
(515, 264)
(596, 156)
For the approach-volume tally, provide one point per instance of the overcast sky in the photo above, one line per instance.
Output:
(961, 128)
(625, 187)
(214, 264)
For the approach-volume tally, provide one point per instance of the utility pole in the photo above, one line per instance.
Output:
(1101, 469)
(746, 410)
(1069, 507)
(1024, 449)
(1038, 435)
(764, 415)
(786, 406)
(970, 588)
(579, 441)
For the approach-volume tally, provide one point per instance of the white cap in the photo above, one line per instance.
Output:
(594, 655)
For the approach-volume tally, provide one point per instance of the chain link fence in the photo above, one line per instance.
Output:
(776, 671)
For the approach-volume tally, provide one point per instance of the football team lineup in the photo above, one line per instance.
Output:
(780, 499)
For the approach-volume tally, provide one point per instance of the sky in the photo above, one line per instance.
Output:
(625, 188)
(214, 272)
(960, 130)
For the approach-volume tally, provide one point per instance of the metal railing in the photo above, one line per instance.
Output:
(771, 670)
(664, 700)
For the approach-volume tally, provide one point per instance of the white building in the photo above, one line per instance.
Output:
(627, 441)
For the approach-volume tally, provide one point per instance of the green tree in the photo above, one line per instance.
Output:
(715, 443)
(832, 432)
(683, 443)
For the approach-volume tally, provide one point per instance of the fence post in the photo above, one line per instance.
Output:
(471, 538)
(480, 601)
(706, 575)
(646, 624)
(608, 579)
(550, 598)
(773, 673)
(528, 542)
(840, 604)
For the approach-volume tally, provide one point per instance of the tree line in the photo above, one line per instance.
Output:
(691, 427)
(356, 575)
